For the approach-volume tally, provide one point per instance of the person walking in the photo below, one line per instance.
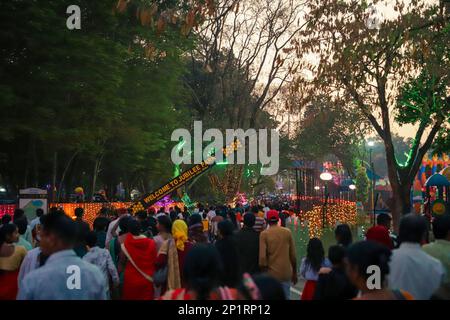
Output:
(360, 257)
(11, 257)
(102, 259)
(247, 245)
(310, 266)
(137, 259)
(277, 253)
(440, 248)
(412, 269)
(83, 230)
(226, 246)
(50, 281)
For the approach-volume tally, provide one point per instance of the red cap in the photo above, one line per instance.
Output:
(272, 215)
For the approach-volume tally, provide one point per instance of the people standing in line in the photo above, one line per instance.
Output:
(343, 235)
(50, 281)
(363, 255)
(440, 248)
(247, 245)
(412, 269)
(172, 255)
(310, 266)
(83, 230)
(334, 284)
(11, 257)
(102, 259)
(196, 234)
(380, 232)
(202, 270)
(137, 259)
(164, 227)
(22, 225)
(226, 245)
(277, 253)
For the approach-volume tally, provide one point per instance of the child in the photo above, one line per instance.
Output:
(311, 264)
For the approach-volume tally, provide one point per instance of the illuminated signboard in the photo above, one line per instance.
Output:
(196, 170)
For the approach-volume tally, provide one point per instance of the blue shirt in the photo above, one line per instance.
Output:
(308, 273)
(57, 280)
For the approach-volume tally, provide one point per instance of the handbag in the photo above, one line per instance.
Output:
(160, 276)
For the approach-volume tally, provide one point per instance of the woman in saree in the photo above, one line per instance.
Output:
(11, 257)
(137, 260)
(172, 255)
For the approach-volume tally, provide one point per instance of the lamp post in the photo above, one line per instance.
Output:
(326, 177)
(372, 182)
(352, 187)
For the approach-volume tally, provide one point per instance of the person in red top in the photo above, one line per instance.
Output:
(380, 232)
(137, 258)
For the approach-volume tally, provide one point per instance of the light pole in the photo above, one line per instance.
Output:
(326, 177)
(352, 187)
(372, 182)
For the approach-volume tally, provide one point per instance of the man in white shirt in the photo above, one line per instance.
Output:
(411, 269)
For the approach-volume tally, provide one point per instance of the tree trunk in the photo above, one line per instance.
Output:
(63, 176)
(97, 165)
(54, 174)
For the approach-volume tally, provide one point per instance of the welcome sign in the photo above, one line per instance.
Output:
(180, 180)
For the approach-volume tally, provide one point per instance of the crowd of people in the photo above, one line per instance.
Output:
(218, 253)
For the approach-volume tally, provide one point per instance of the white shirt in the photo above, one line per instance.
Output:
(415, 271)
(35, 222)
(29, 263)
(109, 234)
(210, 215)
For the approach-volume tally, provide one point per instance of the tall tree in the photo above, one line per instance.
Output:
(367, 65)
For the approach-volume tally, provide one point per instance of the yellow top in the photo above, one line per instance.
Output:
(13, 262)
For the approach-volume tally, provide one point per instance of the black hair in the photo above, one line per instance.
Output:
(383, 219)
(202, 270)
(412, 228)
(165, 222)
(441, 226)
(315, 253)
(123, 224)
(336, 254)
(232, 216)
(363, 254)
(18, 213)
(173, 215)
(103, 211)
(79, 212)
(5, 231)
(343, 235)
(60, 225)
(141, 214)
(204, 215)
(6, 219)
(255, 209)
(91, 239)
(39, 212)
(22, 225)
(194, 219)
(269, 288)
(134, 227)
(100, 224)
(249, 220)
(225, 228)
